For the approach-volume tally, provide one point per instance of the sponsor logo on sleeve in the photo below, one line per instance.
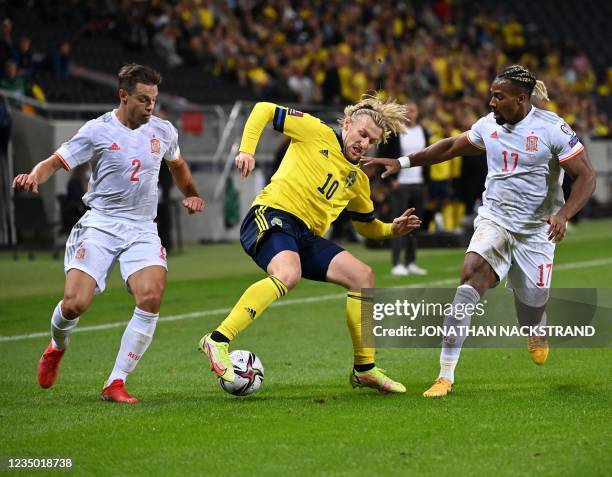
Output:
(295, 112)
(573, 141)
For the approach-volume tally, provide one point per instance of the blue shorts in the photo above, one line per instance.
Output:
(266, 231)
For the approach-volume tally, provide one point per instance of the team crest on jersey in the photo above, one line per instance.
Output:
(350, 179)
(532, 144)
(295, 112)
(80, 253)
(155, 146)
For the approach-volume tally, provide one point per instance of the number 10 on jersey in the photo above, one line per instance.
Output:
(329, 188)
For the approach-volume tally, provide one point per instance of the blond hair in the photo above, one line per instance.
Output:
(540, 92)
(387, 114)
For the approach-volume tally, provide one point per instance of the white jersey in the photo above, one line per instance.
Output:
(125, 164)
(524, 175)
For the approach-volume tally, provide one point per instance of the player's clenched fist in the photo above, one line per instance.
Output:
(27, 182)
(245, 163)
(194, 204)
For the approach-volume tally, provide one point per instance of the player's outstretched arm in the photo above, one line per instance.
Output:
(581, 170)
(181, 174)
(39, 175)
(441, 151)
(261, 115)
(377, 230)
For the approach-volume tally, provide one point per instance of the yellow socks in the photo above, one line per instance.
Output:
(252, 303)
(354, 302)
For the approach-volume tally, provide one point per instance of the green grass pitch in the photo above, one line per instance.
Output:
(506, 417)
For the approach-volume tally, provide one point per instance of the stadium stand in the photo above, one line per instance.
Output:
(440, 53)
(258, 51)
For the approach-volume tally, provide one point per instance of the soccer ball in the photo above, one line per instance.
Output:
(249, 373)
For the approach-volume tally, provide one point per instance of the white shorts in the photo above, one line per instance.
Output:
(526, 259)
(97, 241)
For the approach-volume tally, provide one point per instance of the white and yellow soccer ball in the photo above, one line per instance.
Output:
(249, 373)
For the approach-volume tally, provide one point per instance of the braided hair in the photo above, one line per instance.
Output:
(521, 77)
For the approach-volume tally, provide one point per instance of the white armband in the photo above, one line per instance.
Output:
(404, 162)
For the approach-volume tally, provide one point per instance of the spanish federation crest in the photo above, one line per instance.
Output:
(532, 143)
(351, 178)
(155, 146)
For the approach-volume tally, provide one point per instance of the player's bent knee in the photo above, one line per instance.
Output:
(290, 278)
(363, 277)
(367, 277)
(150, 299)
(74, 305)
(152, 304)
(478, 273)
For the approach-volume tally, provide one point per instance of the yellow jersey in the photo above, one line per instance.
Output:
(315, 180)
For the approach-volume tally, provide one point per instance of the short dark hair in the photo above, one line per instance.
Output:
(520, 77)
(133, 73)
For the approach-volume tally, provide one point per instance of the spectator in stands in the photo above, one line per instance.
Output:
(24, 57)
(6, 39)
(61, 60)
(331, 84)
(164, 43)
(12, 80)
(302, 85)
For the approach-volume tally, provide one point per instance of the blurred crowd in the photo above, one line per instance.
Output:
(21, 62)
(333, 51)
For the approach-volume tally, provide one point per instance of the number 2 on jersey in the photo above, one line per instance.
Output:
(136, 163)
(514, 156)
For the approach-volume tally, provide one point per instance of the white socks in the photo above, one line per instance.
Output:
(136, 339)
(61, 328)
(452, 343)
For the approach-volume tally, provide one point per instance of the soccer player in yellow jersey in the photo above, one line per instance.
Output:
(283, 232)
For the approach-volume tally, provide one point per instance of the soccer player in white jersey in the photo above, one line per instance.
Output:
(126, 147)
(523, 214)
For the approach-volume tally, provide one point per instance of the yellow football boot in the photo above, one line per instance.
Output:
(375, 378)
(538, 349)
(442, 387)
